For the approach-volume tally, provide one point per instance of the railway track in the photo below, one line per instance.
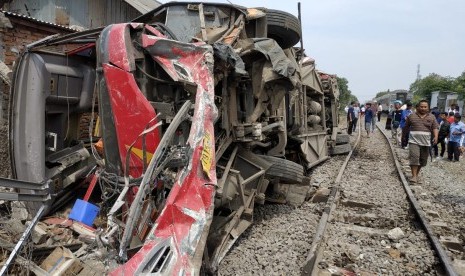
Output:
(372, 222)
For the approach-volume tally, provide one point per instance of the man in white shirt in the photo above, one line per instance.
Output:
(380, 110)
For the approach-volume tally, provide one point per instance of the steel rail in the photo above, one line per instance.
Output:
(443, 258)
(313, 254)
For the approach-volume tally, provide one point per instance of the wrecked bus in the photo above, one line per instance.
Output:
(184, 119)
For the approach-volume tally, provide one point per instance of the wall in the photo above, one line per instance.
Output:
(13, 37)
(434, 100)
(453, 99)
(85, 13)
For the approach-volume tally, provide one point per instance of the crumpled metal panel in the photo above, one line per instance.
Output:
(119, 43)
(189, 208)
(131, 113)
(130, 109)
(282, 65)
(310, 77)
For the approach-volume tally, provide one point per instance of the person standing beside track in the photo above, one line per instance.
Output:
(379, 112)
(450, 118)
(422, 125)
(374, 108)
(457, 131)
(444, 128)
(351, 118)
(356, 115)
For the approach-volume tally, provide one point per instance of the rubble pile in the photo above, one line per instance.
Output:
(56, 245)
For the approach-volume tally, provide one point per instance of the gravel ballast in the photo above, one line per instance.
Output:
(280, 238)
(373, 229)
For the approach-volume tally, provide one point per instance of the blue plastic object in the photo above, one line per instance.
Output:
(84, 212)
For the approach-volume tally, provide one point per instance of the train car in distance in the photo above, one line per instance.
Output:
(388, 99)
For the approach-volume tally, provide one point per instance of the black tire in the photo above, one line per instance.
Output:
(287, 171)
(341, 149)
(342, 139)
(284, 28)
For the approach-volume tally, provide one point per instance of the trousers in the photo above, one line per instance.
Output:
(453, 151)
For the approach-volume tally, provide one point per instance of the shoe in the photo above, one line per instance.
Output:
(439, 157)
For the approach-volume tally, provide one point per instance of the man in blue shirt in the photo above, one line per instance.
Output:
(400, 138)
(351, 119)
(396, 115)
(369, 115)
(436, 113)
(457, 131)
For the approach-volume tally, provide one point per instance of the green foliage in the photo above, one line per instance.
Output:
(422, 88)
(345, 95)
(459, 85)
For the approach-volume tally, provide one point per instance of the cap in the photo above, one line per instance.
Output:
(398, 102)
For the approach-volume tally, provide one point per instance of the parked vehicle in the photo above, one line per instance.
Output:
(187, 117)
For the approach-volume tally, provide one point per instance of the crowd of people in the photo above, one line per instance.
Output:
(419, 130)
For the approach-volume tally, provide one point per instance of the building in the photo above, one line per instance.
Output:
(86, 14)
(444, 99)
(25, 21)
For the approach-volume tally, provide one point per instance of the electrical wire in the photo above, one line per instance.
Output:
(154, 78)
(67, 97)
(91, 130)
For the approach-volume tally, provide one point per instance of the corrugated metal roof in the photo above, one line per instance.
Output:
(22, 16)
(143, 6)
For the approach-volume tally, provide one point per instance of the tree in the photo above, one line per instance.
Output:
(345, 95)
(422, 88)
(459, 85)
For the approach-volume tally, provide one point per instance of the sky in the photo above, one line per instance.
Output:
(377, 45)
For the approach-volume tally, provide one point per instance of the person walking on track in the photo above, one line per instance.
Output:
(396, 117)
(401, 138)
(423, 126)
(369, 115)
(457, 131)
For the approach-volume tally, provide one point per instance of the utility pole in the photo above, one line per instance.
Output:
(418, 72)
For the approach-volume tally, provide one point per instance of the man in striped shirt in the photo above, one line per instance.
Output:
(422, 125)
